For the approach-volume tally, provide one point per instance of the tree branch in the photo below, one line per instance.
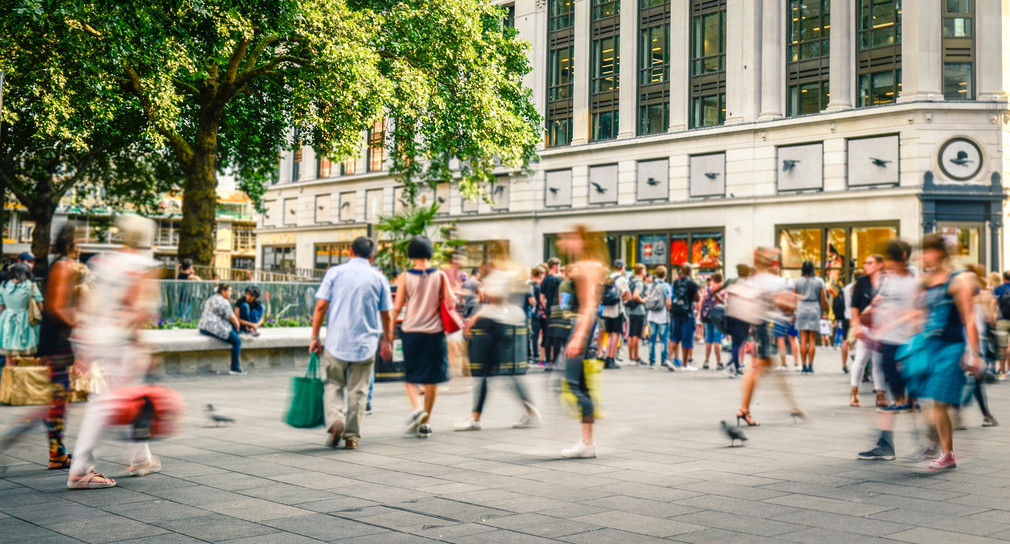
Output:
(234, 61)
(181, 147)
(182, 86)
(254, 57)
(253, 73)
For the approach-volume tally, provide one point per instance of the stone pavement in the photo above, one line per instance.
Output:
(664, 472)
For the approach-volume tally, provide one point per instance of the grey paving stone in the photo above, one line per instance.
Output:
(499, 537)
(925, 534)
(25, 531)
(100, 529)
(842, 523)
(637, 523)
(820, 536)
(824, 504)
(214, 527)
(658, 509)
(720, 536)
(738, 523)
(539, 525)
(455, 510)
(324, 527)
(731, 505)
(335, 504)
(276, 538)
(944, 523)
(448, 532)
(255, 510)
(156, 510)
(607, 535)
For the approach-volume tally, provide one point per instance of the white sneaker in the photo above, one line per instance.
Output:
(468, 424)
(530, 419)
(580, 451)
(690, 368)
(415, 421)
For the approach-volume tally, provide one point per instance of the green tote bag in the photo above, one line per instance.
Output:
(306, 411)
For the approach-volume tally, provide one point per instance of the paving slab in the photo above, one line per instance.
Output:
(664, 472)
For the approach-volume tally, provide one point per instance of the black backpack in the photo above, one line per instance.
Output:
(1004, 304)
(838, 306)
(679, 305)
(610, 293)
(634, 284)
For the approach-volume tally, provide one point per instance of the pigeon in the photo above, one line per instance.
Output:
(441, 200)
(879, 162)
(733, 434)
(599, 188)
(711, 175)
(216, 418)
(652, 181)
(553, 190)
(789, 164)
(961, 159)
(346, 205)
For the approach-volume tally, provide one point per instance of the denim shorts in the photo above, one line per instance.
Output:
(682, 331)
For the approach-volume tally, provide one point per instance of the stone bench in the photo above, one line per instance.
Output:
(186, 351)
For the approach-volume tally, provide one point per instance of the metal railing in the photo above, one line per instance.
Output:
(182, 300)
(258, 274)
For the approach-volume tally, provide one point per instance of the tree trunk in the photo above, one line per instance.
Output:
(42, 213)
(199, 202)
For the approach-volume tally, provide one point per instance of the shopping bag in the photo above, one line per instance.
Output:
(152, 411)
(913, 358)
(306, 410)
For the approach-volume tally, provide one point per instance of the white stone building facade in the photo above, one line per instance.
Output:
(696, 130)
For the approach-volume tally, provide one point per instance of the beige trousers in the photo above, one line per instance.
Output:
(345, 393)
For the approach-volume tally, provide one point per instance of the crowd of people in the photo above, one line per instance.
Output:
(933, 334)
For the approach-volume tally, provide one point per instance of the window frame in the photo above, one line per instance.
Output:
(376, 146)
(653, 17)
(604, 101)
(560, 37)
(803, 72)
(876, 59)
(848, 267)
(959, 50)
(707, 84)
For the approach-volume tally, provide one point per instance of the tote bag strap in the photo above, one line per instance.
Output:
(313, 370)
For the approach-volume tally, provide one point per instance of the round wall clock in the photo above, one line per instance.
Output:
(960, 159)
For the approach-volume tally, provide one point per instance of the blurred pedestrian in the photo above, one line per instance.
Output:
(558, 327)
(59, 315)
(863, 292)
(422, 290)
(500, 320)
(537, 316)
(18, 336)
(587, 274)
(249, 312)
(985, 322)
(355, 302)
(219, 321)
(810, 308)
(774, 302)
(123, 300)
(737, 329)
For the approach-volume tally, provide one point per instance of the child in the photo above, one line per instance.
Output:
(826, 328)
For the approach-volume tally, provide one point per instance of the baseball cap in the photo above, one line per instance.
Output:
(26, 256)
(618, 264)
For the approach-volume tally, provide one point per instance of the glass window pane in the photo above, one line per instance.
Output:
(837, 244)
(956, 27)
(706, 251)
(869, 240)
(882, 87)
(957, 6)
(957, 81)
(800, 245)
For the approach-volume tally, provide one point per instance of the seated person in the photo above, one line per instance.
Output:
(249, 311)
(219, 322)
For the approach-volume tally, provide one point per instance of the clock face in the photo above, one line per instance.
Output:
(960, 159)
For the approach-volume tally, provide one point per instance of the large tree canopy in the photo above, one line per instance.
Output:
(64, 127)
(223, 84)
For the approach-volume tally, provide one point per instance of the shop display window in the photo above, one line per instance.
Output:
(836, 251)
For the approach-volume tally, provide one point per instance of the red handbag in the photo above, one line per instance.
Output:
(152, 410)
(451, 320)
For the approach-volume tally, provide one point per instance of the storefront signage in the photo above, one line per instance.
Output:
(278, 238)
(652, 249)
(960, 159)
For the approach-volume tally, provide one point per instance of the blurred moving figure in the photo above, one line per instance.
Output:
(59, 315)
(500, 319)
(738, 329)
(587, 273)
(985, 322)
(123, 299)
(772, 301)
(811, 306)
(863, 292)
(558, 327)
(18, 336)
(422, 290)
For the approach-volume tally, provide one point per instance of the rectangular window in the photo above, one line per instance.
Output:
(653, 67)
(290, 212)
(837, 251)
(878, 52)
(323, 168)
(296, 163)
(377, 146)
(560, 81)
(278, 257)
(510, 16)
(604, 96)
(807, 60)
(328, 255)
(958, 50)
(708, 63)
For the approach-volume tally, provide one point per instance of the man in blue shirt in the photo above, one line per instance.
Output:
(355, 301)
(1002, 323)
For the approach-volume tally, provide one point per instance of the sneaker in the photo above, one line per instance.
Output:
(782, 369)
(990, 421)
(424, 431)
(468, 424)
(580, 451)
(368, 409)
(667, 366)
(528, 419)
(895, 409)
(720, 366)
(415, 420)
(930, 452)
(234, 372)
(958, 422)
(677, 363)
(143, 469)
(944, 461)
(1001, 376)
(883, 452)
(690, 368)
(704, 366)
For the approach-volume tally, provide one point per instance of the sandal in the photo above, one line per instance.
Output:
(56, 463)
(91, 480)
(740, 414)
(143, 469)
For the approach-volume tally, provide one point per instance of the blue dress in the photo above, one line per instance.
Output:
(16, 334)
(943, 379)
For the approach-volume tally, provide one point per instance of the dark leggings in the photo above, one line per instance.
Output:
(59, 379)
(502, 342)
(979, 395)
(738, 331)
(891, 373)
(554, 348)
(575, 375)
